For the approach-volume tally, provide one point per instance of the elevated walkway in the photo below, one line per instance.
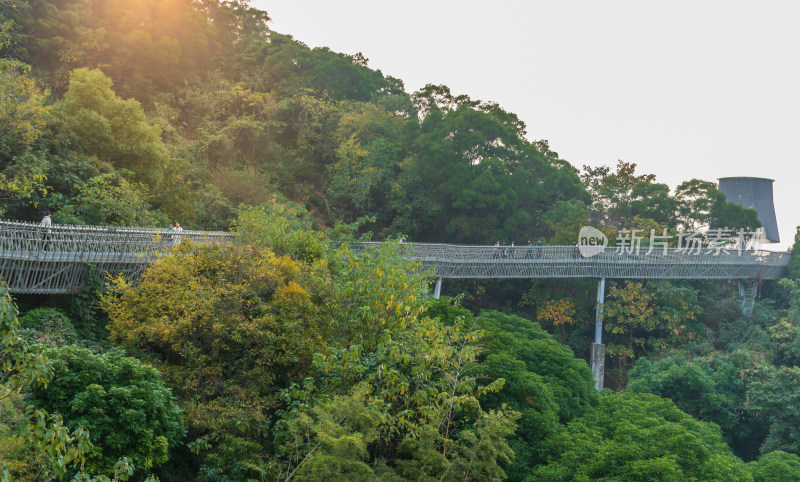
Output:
(54, 261)
(35, 260)
(459, 261)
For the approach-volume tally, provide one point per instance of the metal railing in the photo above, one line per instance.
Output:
(459, 261)
(34, 259)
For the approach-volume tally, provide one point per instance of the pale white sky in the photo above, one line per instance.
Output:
(683, 89)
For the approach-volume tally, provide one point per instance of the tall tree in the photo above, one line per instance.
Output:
(116, 131)
(701, 203)
(471, 176)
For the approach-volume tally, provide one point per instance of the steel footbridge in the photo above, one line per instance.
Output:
(55, 260)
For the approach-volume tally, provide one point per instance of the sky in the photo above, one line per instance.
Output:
(683, 89)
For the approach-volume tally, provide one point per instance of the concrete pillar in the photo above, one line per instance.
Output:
(598, 358)
(598, 314)
(748, 291)
(437, 291)
(598, 352)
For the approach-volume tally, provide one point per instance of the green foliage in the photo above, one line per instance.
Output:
(47, 326)
(369, 147)
(777, 398)
(342, 428)
(123, 404)
(227, 325)
(713, 389)
(469, 161)
(213, 211)
(784, 332)
(54, 176)
(614, 194)
(20, 185)
(565, 219)
(22, 367)
(794, 265)
(15, 452)
(35, 445)
(23, 116)
(235, 126)
(569, 378)
(478, 453)
(146, 47)
(545, 383)
(734, 216)
(86, 311)
(373, 296)
(116, 131)
(643, 319)
(109, 200)
(60, 448)
(775, 466)
(627, 200)
(427, 419)
(728, 329)
(231, 326)
(697, 201)
(43, 446)
(701, 203)
(282, 227)
(23, 113)
(640, 437)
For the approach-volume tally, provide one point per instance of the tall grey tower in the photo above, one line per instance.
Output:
(756, 193)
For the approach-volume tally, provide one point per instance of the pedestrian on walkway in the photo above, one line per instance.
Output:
(177, 232)
(46, 230)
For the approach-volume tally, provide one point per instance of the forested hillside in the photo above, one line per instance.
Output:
(287, 355)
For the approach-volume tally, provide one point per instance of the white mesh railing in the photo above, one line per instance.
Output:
(37, 259)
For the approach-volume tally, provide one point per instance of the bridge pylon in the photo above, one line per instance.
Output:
(437, 290)
(598, 350)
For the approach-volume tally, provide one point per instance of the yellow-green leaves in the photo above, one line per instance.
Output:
(23, 113)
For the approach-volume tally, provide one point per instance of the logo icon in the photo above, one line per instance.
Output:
(591, 241)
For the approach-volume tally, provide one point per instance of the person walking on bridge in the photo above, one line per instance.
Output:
(168, 235)
(177, 233)
(46, 230)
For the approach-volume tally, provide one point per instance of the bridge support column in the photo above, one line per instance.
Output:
(598, 352)
(748, 291)
(598, 360)
(437, 291)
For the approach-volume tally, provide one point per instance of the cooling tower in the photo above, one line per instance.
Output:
(756, 193)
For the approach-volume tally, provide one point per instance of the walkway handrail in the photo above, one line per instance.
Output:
(35, 259)
(524, 253)
(460, 261)
(20, 237)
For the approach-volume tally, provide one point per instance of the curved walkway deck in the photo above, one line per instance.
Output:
(458, 261)
(53, 261)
